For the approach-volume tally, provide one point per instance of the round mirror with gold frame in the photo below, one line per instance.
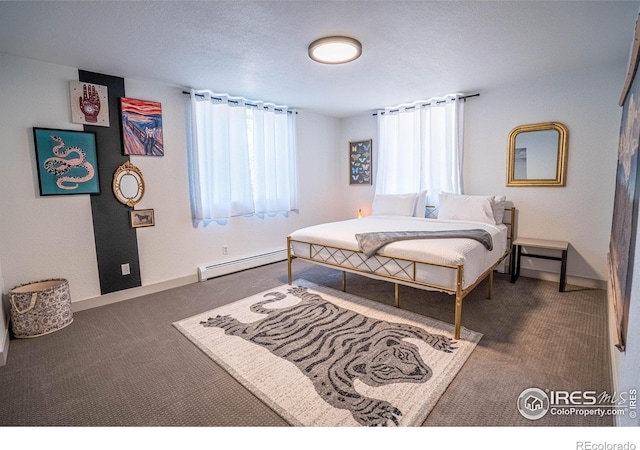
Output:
(128, 184)
(537, 155)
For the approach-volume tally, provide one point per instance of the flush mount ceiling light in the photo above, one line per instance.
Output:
(335, 50)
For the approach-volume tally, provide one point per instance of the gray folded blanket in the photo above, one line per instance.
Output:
(370, 243)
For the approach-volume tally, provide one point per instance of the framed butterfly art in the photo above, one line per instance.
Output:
(360, 168)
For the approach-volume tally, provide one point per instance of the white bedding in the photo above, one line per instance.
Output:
(307, 243)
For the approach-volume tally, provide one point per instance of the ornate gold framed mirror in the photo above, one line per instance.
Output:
(537, 155)
(128, 184)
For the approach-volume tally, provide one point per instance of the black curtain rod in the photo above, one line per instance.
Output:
(235, 102)
(464, 97)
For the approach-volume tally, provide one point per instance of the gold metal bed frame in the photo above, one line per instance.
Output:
(401, 271)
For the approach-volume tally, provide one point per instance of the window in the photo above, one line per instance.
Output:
(420, 148)
(242, 158)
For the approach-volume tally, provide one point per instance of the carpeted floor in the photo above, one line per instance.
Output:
(348, 361)
(125, 364)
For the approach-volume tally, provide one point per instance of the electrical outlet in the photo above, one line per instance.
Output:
(126, 270)
(225, 249)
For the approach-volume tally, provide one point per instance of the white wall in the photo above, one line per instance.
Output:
(53, 236)
(42, 237)
(586, 102)
(356, 197)
(174, 248)
(580, 213)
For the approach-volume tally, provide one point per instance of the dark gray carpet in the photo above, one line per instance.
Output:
(125, 364)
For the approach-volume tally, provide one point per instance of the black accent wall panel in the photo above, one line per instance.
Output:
(116, 241)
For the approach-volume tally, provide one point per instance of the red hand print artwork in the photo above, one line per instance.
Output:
(90, 103)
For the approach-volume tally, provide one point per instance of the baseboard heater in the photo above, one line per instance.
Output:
(227, 267)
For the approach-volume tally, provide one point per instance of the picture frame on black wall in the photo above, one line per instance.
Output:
(141, 127)
(142, 218)
(89, 103)
(360, 167)
(67, 161)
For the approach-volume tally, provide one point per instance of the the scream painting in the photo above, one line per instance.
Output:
(141, 127)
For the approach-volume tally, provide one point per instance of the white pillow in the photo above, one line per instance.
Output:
(500, 203)
(420, 200)
(393, 205)
(474, 208)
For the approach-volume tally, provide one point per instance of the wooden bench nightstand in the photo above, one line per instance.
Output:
(516, 253)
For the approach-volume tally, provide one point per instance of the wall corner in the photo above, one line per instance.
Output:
(4, 345)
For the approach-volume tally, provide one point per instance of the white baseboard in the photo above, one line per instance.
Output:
(209, 271)
(128, 294)
(215, 270)
(4, 345)
(554, 276)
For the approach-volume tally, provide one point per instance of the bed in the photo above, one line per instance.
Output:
(451, 264)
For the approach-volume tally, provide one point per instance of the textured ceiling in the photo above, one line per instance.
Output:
(258, 49)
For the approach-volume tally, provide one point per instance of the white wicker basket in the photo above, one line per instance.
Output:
(39, 308)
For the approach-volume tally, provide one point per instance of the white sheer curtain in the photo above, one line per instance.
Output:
(274, 160)
(242, 158)
(420, 148)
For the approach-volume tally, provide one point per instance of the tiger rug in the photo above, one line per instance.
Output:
(338, 349)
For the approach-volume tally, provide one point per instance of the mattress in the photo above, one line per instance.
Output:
(424, 262)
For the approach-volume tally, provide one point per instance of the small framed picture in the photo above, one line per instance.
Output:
(360, 169)
(89, 103)
(67, 161)
(141, 218)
